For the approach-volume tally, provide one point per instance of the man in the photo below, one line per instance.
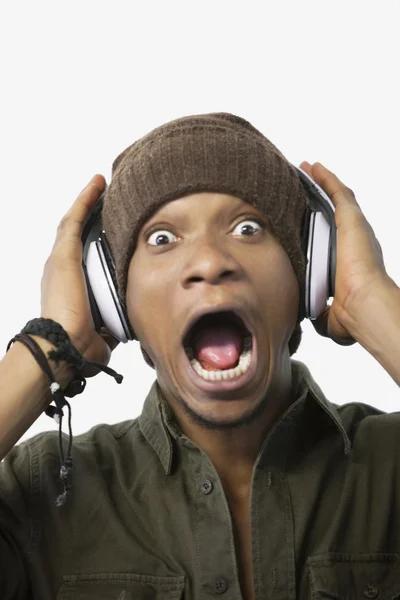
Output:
(239, 478)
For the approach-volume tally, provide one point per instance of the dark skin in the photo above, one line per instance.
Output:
(217, 249)
(204, 257)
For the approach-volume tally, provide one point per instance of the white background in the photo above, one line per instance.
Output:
(80, 81)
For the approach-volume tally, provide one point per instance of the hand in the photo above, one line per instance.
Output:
(359, 260)
(64, 296)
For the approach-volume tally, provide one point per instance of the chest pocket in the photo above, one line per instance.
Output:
(120, 586)
(355, 577)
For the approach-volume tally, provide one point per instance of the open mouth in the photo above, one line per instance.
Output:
(219, 346)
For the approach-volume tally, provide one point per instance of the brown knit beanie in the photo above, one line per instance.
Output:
(217, 152)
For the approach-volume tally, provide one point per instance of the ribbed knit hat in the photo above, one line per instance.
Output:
(217, 152)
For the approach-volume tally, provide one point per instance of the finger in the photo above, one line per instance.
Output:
(339, 193)
(71, 225)
(306, 167)
(321, 326)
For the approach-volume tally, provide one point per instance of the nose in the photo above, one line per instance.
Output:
(210, 261)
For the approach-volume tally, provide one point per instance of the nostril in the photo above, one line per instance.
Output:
(211, 278)
(227, 273)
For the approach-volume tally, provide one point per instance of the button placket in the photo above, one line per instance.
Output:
(206, 486)
(214, 534)
(371, 592)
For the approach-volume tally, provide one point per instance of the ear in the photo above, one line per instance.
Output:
(147, 357)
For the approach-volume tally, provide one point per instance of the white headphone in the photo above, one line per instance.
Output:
(319, 235)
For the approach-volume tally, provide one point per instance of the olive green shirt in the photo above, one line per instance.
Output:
(148, 518)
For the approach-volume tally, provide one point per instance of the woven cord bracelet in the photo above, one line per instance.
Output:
(54, 333)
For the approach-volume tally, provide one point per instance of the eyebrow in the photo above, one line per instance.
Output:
(182, 214)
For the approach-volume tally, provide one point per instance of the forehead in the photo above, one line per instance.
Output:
(203, 204)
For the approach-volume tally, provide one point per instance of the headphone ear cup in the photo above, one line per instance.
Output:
(101, 276)
(94, 309)
(120, 304)
(317, 284)
(99, 270)
(303, 288)
(332, 261)
(320, 244)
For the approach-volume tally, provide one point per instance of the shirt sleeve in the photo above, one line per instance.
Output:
(17, 533)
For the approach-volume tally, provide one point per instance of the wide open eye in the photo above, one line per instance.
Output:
(161, 237)
(247, 227)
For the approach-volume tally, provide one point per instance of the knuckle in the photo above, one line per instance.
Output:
(69, 222)
(47, 269)
(63, 224)
(350, 192)
(50, 264)
(49, 260)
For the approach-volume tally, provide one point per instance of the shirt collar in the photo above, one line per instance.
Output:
(160, 428)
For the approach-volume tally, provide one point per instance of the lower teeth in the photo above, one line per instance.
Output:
(244, 363)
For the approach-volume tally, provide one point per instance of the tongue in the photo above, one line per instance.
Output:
(218, 347)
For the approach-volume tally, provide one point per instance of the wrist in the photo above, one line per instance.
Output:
(62, 371)
(377, 325)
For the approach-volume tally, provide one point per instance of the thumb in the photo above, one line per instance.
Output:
(327, 326)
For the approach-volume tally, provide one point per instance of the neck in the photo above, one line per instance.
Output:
(233, 451)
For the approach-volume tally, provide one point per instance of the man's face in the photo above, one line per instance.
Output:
(212, 252)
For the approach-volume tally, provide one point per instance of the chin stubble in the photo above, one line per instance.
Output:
(210, 423)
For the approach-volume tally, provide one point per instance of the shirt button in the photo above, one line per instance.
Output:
(371, 592)
(220, 585)
(206, 486)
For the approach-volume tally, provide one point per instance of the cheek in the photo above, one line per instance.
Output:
(148, 300)
(277, 288)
